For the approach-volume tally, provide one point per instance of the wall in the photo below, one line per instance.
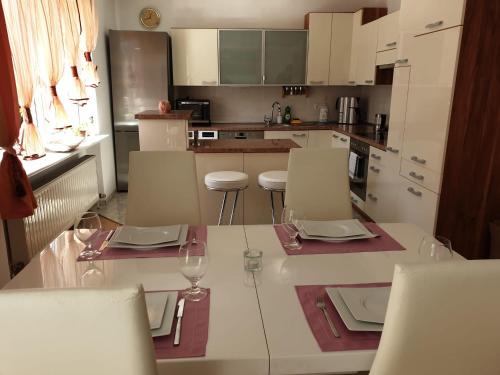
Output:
(4, 261)
(375, 99)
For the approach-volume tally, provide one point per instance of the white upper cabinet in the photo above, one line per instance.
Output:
(318, 57)
(340, 48)
(356, 28)
(195, 57)
(433, 60)
(388, 32)
(366, 51)
(424, 16)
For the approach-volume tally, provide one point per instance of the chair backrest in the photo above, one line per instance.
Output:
(442, 318)
(162, 189)
(75, 331)
(318, 183)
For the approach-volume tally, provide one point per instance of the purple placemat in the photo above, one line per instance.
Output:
(311, 247)
(348, 340)
(194, 332)
(110, 253)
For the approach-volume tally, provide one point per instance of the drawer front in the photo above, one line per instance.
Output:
(340, 140)
(421, 176)
(387, 57)
(382, 193)
(358, 202)
(385, 159)
(417, 205)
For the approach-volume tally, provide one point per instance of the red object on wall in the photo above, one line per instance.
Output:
(16, 196)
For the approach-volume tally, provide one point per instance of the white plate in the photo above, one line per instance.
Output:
(146, 235)
(367, 304)
(350, 322)
(155, 304)
(182, 238)
(168, 317)
(333, 228)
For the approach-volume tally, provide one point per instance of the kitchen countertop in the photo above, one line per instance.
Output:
(245, 146)
(157, 115)
(362, 132)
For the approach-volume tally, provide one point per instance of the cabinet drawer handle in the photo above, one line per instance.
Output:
(316, 82)
(416, 176)
(354, 200)
(376, 170)
(433, 24)
(417, 160)
(351, 82)
(209, 82)
(391, 44)
(393, 150)
(414, 192)
(335, 136)
(372, 197)
(401, 61)
(376, 157)
(298, 135)
(369, 81)
(343, 139)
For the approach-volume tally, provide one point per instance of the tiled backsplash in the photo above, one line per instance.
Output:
(250, 104)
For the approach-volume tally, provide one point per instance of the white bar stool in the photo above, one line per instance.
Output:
(274, 181)
(226, 181)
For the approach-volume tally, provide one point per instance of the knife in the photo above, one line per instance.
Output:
(106, 241)
(180, 312)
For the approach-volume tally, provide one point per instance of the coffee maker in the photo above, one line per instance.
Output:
(348, 107)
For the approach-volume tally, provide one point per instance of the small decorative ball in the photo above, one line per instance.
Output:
(164, 106)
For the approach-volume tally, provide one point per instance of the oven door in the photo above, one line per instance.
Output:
(358, 173)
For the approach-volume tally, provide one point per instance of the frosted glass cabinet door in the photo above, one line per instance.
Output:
(285, 55)
(240, 57)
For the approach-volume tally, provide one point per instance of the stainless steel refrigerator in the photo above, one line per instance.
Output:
(141, 75)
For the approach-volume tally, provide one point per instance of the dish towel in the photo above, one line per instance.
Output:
(353, 164)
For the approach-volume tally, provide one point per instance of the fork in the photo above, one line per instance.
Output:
(320, 304)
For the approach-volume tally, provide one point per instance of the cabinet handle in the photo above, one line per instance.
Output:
(417, 160)
(433, 24)
(209, 82)
(376, 170)
(354, 200)
(376, 157)
(393, 150)
(372, 197)
(414, 192)
(369, 81)
(343, 139)
(391, 44)
(416, 176)
(298, 135)
(335, 136)
(316, 82)
(401, 61)
(351, 82)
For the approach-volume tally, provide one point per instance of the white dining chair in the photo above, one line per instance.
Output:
(442, 319)
(318, 184)
(162, 189)
(75, 331)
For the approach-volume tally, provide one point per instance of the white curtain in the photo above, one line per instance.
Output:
(50, 53)
(18, 17)
(90, 31)
(71, 32)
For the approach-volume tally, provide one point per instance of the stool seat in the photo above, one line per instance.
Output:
(273, 180)
(226, 180)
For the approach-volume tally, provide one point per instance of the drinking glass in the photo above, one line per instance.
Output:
(193, 263)
(87, 226)
(93, 277)
(435, 249)
(290, 220)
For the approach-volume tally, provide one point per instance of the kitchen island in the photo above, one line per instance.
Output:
(251, 156)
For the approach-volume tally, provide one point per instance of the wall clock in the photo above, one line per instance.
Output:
(150, 18)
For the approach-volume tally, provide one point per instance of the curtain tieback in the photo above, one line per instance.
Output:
(88, 56)
(16, 171)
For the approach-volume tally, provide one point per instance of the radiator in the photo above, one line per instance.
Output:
(60, 201)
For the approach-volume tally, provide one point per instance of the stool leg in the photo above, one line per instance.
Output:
(282, 199)
(234, 206)
(272, 205)
(222, 208)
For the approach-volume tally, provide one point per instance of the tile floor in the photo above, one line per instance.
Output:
(115, 208)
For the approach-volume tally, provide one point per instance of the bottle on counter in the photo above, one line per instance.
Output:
(323, 113)
(279, 117)
(288, 115)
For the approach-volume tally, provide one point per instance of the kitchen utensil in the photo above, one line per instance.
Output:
(106, 241)
(320, 303)
(180, 313)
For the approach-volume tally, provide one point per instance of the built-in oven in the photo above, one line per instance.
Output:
(200, 108)
(359, 153)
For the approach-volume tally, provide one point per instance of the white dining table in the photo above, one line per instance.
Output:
(257, 325)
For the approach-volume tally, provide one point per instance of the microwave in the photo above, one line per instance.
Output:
(200, 108)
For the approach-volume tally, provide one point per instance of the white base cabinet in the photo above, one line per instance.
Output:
(340, 140)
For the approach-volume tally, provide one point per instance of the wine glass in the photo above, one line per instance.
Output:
(435, 249)
(193, 263)
(291, 223)
(86, 228)
(93, 276)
